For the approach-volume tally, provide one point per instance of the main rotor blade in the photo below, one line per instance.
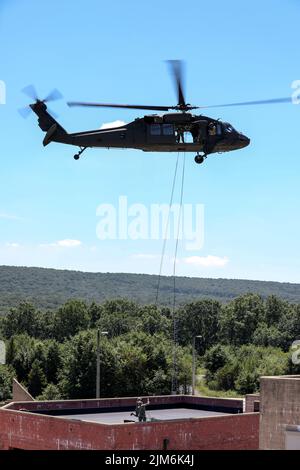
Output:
(126, 106)
(53, 96)
(176, 67)
(250, 103)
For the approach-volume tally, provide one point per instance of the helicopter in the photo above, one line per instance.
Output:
(175, 131)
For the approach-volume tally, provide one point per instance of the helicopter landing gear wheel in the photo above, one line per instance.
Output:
(200, 159)
(77, 155)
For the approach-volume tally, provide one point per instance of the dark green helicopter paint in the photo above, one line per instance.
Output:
(175, 131)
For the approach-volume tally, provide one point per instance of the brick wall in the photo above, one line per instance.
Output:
(234, 405)
(30, 431)
(252, 402)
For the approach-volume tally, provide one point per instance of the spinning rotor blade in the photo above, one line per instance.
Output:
(24, 112)
(31, 92)
(53, 96)
(126, 106)
(176, 67)
(250, 103)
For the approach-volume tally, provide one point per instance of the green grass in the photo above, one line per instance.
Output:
(203, 389)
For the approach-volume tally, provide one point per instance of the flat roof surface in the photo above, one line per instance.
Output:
(118, 417)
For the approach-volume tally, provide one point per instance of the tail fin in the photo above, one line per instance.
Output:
(47, 123)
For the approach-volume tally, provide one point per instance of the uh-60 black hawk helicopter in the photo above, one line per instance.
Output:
(176, 131)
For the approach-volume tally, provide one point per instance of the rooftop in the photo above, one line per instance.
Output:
(118, 417)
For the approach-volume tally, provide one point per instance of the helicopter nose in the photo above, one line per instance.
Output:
(244, 140)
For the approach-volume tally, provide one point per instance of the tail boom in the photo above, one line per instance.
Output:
(54, 131)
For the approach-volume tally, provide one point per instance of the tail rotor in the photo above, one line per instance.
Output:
(31, 92)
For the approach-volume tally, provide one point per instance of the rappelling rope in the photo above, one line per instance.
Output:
(174, 371)
(166, 230)
(174, 318)
(178, 229)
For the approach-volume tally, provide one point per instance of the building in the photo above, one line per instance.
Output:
(270, 420)
(177, 422)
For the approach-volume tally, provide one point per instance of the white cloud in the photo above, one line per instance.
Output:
(144, 256)
(206, 261)
(12, 245)
(111, 125)
(4, 215)
(67, 243)
(47, 245)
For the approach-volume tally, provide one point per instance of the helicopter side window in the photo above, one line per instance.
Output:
(155, 129)
(219, 129)
(168, 129)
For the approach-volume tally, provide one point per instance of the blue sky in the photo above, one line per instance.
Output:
(115, 52)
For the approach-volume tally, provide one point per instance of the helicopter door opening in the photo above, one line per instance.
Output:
(188, 137)
(183, 136)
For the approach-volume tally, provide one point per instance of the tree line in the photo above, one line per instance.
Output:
(53, 353)
(50, 288)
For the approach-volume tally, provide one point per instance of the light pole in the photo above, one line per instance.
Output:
(194, 364)
(98, 362)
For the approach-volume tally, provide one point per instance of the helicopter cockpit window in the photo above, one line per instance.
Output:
(168, 129)
(155, 129)
(228, 128)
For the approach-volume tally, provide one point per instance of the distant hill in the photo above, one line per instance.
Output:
(49, 288)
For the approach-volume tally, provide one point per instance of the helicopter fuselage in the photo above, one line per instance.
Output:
(171, 132)
(175, 132)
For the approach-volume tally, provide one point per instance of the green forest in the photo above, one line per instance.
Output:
(53, 351)
(51, 288)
